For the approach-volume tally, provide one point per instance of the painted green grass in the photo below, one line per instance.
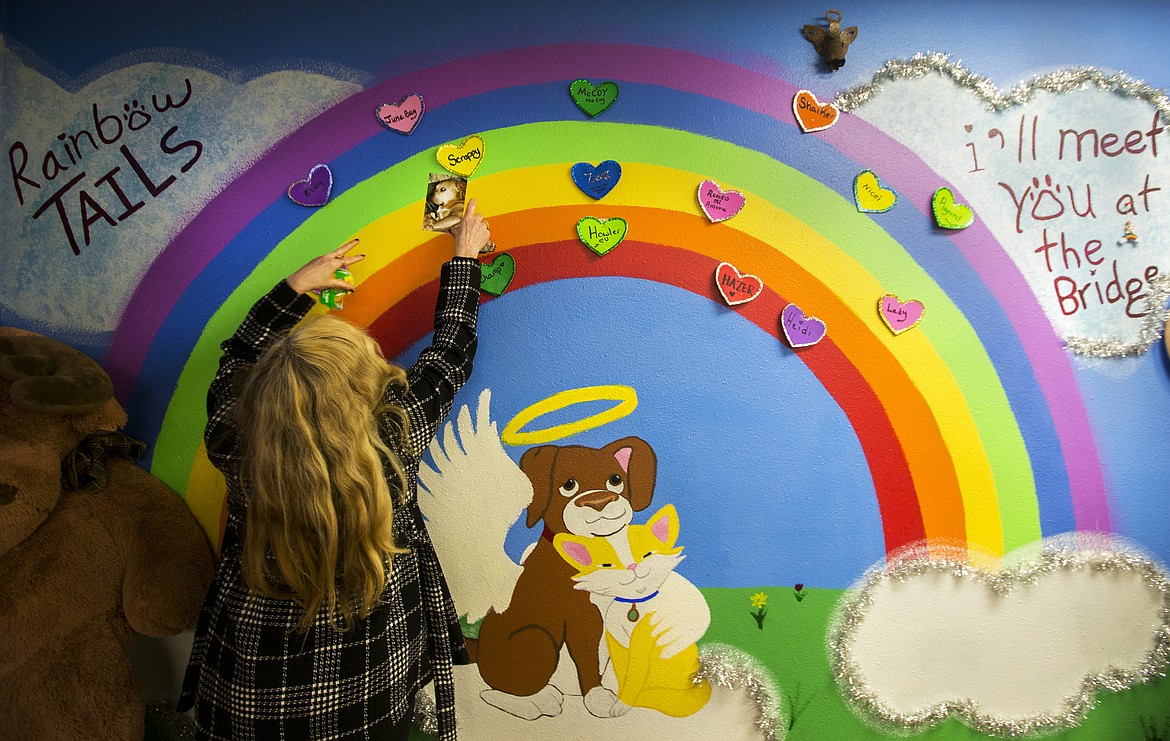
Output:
(792, 646)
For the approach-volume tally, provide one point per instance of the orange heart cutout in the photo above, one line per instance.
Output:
(811, 114)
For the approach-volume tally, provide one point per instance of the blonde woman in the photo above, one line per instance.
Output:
(329, 609)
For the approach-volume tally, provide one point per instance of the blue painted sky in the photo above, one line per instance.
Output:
(768, 478)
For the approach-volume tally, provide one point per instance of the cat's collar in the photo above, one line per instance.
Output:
(635, 601)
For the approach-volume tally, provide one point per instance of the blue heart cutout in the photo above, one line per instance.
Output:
(595, 182)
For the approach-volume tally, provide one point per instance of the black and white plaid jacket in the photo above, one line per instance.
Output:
(251, 674)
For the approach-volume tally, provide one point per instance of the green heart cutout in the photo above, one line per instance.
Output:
(948, 213)
(593, 99)
(495, 278)
(601, 235)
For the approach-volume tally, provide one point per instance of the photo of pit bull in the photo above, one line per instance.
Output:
(586, 492)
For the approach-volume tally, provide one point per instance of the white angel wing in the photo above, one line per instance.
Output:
(470, 499)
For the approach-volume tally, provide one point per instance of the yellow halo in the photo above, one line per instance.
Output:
(626, 397)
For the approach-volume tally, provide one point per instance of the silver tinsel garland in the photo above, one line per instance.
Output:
(726, 666)
(1062, 81)
(1149, 333)
(426, 715)
(1077, 551)
(163, 720)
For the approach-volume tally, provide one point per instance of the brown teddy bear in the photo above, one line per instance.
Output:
(92, 548)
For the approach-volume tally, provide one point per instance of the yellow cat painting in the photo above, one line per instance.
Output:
(652, 616)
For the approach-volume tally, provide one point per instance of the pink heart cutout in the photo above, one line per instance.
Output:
(402, 117)
(718, 204)
(900, 315)
(736, 287)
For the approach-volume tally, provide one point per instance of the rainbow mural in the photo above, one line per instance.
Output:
(967, 432)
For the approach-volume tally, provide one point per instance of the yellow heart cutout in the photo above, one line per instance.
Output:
(461, 159)
(870, 196)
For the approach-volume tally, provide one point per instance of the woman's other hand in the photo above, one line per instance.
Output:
(318, 272)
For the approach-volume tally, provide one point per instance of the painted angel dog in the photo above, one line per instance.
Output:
(582, 491)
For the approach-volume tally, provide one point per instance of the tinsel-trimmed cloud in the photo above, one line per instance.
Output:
(1019, 651)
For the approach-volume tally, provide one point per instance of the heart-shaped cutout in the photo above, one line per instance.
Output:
(495, 278)
(948, 213)
(869, 194)
(801, 330)
(601, 235)
(313, 190)
(462, 158)
(900, 315)
(718, 204)
(736, 287)
(812, 114)
(403, 116)
(593, 99)
(596, 181)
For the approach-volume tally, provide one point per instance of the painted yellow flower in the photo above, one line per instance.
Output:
(759, 599)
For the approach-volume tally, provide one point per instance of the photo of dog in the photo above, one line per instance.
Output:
(445, 200)
(586, 492)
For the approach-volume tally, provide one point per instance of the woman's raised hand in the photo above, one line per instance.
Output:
(472, 234)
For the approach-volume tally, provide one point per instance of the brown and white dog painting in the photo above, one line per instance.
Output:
(584, 491)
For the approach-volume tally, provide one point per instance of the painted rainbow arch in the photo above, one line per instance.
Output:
(971, 425)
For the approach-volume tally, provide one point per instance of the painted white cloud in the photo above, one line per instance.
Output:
(1015, 649)
(46, 129)
(1009, 166)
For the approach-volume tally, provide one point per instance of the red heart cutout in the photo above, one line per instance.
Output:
(736, 287)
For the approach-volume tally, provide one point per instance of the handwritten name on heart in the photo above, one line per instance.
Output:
(313, 190)
(736, 287)
(870, 196)
(948, 213)
(900, 315)
(596, 181)
(403, 116)
(801, 330)
(593, 99)
(495, 278)
(718, 204)
(601, 235)
(811, 114)
(462, 158)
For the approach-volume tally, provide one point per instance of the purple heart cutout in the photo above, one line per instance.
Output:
(799, 330)
(313, 190)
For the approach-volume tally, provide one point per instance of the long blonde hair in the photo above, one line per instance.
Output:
(320, 511)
